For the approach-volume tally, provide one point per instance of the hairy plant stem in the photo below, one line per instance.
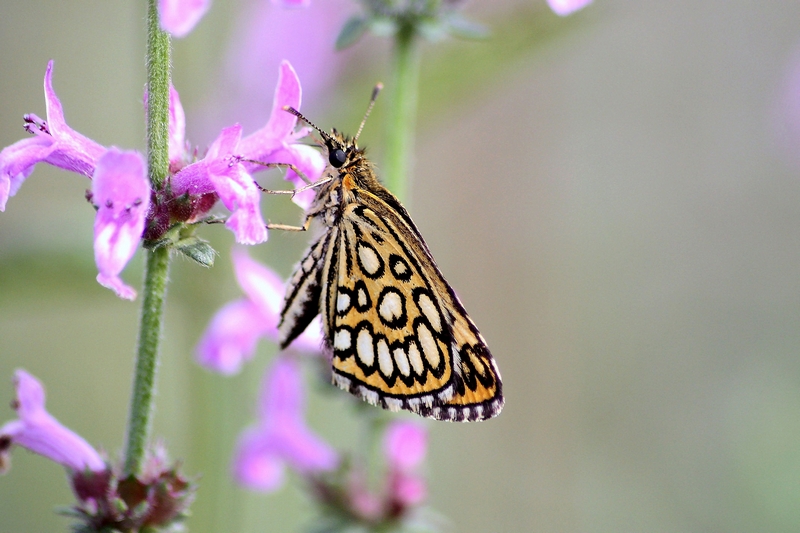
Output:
(155, 277)
(402, 113)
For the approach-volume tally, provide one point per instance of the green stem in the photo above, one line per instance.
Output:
(140, 418)
(402, 113)
(155, 281)
(158, 65)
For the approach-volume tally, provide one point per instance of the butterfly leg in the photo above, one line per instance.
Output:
(290, 166)
(287, 227)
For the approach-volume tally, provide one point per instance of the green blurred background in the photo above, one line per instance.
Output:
(615, 196)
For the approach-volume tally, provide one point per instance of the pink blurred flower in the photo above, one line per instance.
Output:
(53, 142)
(121, 194)
(38, 431)
(281, 436)
(179, 17)
(405, 446)
(305, 37)
(231, 337)
(566, 7)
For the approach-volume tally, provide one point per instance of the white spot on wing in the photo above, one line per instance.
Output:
(362, 297)
(342, 302)
(429, 346)
(342, 340)
(415, 358)
(430, 312)
(401, 359)
(391, 306)
(385, 358)
(364, 348)
(369, 259)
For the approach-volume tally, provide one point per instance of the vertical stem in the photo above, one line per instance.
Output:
(155, 282)
(140, 417)
(158, 65)
(402, 113)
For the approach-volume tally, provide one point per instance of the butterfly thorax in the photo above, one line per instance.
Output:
(356, 176)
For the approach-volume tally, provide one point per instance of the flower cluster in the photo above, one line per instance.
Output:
(347, 499)
(107, 499)
(233, 332)
(128, 209)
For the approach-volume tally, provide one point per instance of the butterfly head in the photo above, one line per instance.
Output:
(341, 150)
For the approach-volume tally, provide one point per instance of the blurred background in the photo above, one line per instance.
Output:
(614, 195)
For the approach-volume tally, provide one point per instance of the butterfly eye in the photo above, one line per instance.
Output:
(337, 157)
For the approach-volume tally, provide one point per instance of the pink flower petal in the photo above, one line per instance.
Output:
(177, 128)
(178, 17)
(255, 466)
(405, 445)
(566, 7)
(309, 161)
(292, 3)
(408, 490)
(261, 285)
(121, 194)
(266, 290)
(38, 431)
(231, 337)
(53, 142)
(281, 124)
(281, 435)
(17, 162)
(74, 151)
(240, 195)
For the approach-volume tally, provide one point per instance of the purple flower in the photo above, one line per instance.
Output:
(231, 337)
(292, 3)
(276, 142)
(178, 147)
(121, 194)
(566, 7)
(178, 17)
(281, 436)
(404, 446)
(53, 142)
(220, 171)
(38, 431)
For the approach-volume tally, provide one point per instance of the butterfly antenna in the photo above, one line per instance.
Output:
(375, 91)
(299, 115)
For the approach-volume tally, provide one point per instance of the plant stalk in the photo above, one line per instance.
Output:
(155, 277)
(402, 113)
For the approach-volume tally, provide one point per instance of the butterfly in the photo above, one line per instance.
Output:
(398, 335)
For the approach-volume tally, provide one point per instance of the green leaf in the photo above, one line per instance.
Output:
(351, 32)
(432, 29)
(461, 27)
(383, 26)
(197, 250)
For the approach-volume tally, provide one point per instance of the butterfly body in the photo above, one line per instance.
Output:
(397, 333)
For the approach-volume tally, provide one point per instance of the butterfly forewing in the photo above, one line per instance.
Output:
(397, 334)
